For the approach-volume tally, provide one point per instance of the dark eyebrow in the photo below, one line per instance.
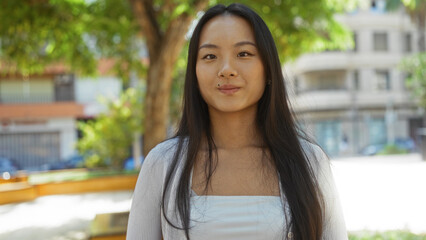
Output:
(208, 45)
(238, 44)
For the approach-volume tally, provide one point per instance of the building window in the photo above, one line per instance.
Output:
(407, 42)
(328, 134)
(356, 80)
(378, 6)
(64, 87)
(327, 80)
(330, 82)
(26, 91)
(355, 36)
(377, 131)
(296, 85)
(380, 42)
(383, 80)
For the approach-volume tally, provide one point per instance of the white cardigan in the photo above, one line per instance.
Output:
(221, 217)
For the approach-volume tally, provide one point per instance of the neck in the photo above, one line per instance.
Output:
(235, 130)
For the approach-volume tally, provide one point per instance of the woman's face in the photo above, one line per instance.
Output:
(228, 56)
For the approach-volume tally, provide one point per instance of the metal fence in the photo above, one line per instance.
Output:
(31, 151)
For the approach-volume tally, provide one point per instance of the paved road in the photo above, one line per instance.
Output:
(377, 193)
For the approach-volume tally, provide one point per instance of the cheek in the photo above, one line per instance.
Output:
(257, 72)
(205, 75)
(200, 76)
(202, 79)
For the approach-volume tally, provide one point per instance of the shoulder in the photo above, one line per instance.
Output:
(164, 149)
(317, 159)
(161, 155)
(313, 152)
(157, 161)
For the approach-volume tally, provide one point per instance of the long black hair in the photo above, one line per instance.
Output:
(275, 121)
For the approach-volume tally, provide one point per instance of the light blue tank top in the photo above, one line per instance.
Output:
(236, 217)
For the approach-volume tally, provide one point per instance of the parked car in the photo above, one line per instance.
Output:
(406, 144)
(8, 168)
(373, 149)
(129, 164)
(74, 161)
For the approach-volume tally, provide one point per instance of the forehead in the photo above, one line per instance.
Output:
(226, 28)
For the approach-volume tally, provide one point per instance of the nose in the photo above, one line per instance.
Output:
(227, 71)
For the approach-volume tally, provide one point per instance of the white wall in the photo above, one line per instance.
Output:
(68, 134)
(87, 91)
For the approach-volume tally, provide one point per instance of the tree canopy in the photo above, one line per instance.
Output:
(75, 33)
(415, 66)
(36, 33)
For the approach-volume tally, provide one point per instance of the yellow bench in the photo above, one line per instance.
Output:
(17, 192)
(109, 226)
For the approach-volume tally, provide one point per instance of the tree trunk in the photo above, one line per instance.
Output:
(157, 102)
(164, 48)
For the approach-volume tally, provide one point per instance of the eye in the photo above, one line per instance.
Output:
(209, 57)
(244, 54)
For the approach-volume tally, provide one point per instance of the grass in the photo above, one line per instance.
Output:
(75, 175)
(390, 235)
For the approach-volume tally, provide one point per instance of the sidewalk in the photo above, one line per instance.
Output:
(377, 193)
(382, 192)
(59, 217)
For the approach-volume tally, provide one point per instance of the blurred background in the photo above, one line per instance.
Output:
(88, 87)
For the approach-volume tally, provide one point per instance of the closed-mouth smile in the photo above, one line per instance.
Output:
(228, 89)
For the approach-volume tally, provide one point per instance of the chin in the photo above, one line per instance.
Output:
(232, 108)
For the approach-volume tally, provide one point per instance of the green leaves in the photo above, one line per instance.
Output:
(300, 26)
(75, 33)
(389, 235)
(107, 140)
(411, 4)
(34, 34)
(180, 9)
(415, 67)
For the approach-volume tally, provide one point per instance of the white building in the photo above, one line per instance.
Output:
(39, 114)
(352, 99)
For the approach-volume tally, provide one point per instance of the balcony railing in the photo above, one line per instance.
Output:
(321, 89)
(35, 98)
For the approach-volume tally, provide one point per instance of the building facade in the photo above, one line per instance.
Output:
(354, 99)
(39, 114)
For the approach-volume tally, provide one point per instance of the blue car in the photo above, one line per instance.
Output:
(406, 144)
(75, 161)
(8, 168)
(129, 164)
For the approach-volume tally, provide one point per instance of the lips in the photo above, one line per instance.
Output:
(228, 89)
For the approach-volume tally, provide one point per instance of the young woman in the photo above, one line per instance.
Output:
(238, 167)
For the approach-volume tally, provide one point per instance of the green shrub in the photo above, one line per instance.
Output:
(391, 149)
(75, 175)
(107, 139)
(390, 235)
